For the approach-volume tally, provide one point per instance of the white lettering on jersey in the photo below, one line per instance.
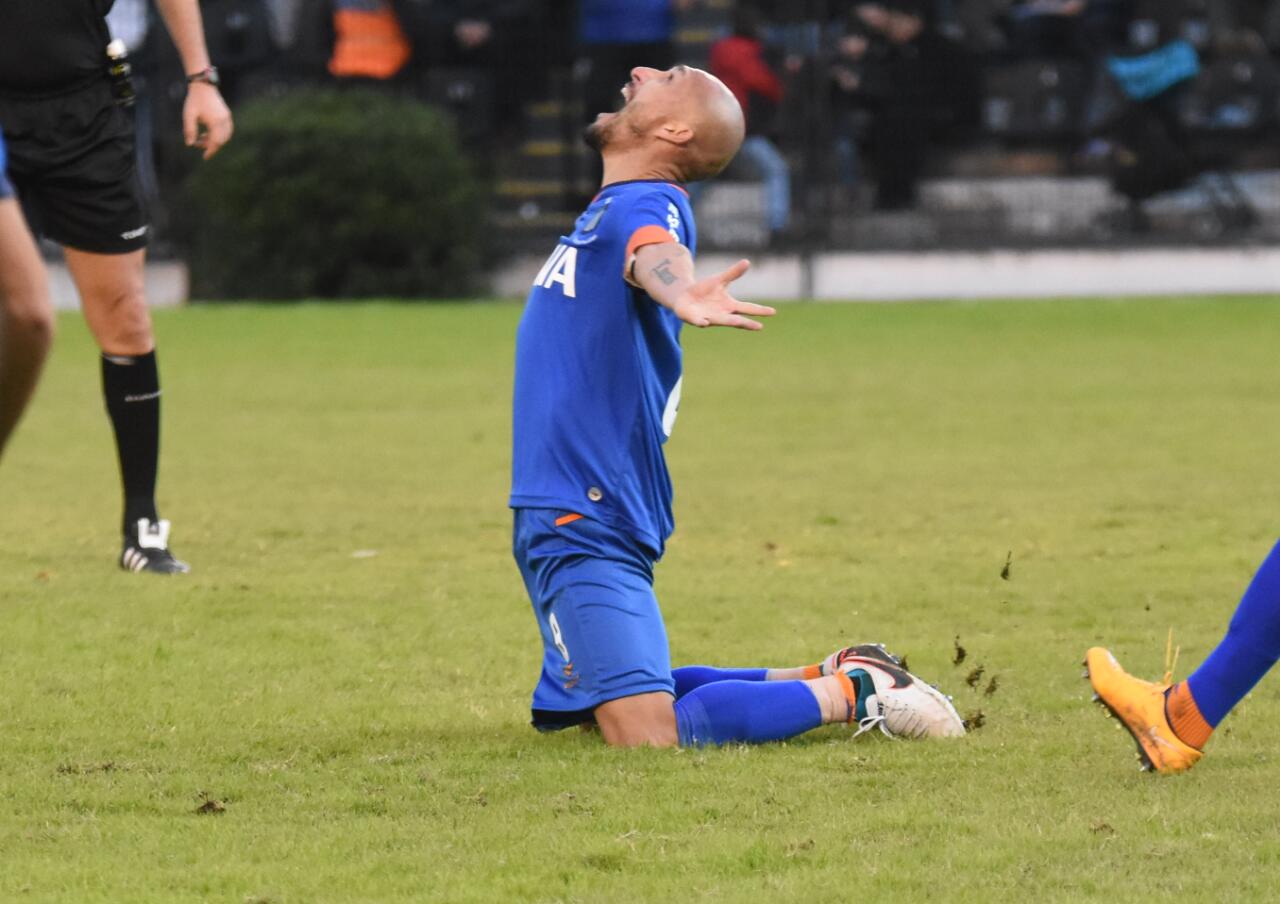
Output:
(565, 272)
(561, 267)
(673, 221)
(551, 262)
(672, 409)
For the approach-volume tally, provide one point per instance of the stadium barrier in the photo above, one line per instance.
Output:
(168, 285)
(905, 276)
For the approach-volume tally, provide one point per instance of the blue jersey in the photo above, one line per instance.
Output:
(598, 369)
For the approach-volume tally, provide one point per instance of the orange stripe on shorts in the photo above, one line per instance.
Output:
(567, 519)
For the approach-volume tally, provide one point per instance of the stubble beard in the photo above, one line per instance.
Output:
(596, 135)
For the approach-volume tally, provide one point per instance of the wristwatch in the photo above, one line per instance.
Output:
(208, 76)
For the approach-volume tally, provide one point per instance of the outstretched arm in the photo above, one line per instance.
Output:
(206, 121)
(665, 271)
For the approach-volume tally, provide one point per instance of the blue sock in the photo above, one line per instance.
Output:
(1250, 649)
(746, 712)
(691, 677)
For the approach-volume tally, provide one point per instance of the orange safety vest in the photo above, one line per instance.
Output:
(369, 43)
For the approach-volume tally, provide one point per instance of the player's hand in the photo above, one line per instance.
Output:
(206, 121)
(708, 302)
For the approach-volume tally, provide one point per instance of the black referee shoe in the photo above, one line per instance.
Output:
(146, 548)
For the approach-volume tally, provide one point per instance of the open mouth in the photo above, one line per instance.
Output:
(626, 91)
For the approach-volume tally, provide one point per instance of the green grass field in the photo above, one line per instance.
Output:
(344, 679)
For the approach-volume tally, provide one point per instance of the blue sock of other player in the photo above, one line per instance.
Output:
(1250, 649)
(757, 710)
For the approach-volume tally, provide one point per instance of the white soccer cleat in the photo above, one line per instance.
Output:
(898, 703)
(146, 548)
(832, 663)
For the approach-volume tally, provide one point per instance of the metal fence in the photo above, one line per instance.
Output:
(1034, 155)
(1048, 150)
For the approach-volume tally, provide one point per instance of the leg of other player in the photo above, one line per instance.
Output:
(1250, 649)
(1171, 725)
(26, 316)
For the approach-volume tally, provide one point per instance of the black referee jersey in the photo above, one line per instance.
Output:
(51, 45)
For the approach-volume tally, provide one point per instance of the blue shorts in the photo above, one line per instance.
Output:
(602, 632)
(6, 189)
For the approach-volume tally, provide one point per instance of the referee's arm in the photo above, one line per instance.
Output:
(206, 121)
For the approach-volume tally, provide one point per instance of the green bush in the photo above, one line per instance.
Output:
(325, 194)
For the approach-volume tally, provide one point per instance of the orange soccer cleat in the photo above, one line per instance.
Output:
(1140, 707)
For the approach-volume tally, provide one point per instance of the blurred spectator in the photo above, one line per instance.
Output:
(916, 84)
(129, 21)
(1144, 139)
(1269, 26)
(368, 43)
(475, 33)
(1106, 26)
(738, 60)
(477, 54)
(285, 21)
(983, 25)
(849, 105)
(795, 27)
(616, 36)
(304, 31)
(239, 36)
(1045, 28)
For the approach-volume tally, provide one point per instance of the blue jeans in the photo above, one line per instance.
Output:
(762, 154)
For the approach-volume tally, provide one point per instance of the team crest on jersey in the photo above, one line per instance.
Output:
(560, 269)
(594, 220)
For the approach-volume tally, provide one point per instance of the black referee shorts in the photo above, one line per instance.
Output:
(72, 160)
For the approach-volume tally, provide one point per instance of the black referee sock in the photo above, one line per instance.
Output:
(131, 386)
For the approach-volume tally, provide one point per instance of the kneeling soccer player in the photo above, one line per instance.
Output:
(1173, 723)
(598, 377)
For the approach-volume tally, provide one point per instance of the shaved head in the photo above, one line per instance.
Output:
(681, 124)
(718, 126)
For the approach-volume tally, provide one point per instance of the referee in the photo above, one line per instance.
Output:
(70, 139)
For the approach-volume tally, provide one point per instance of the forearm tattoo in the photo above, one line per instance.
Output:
(663, 272)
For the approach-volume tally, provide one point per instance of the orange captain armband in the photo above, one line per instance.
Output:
(645, 235)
